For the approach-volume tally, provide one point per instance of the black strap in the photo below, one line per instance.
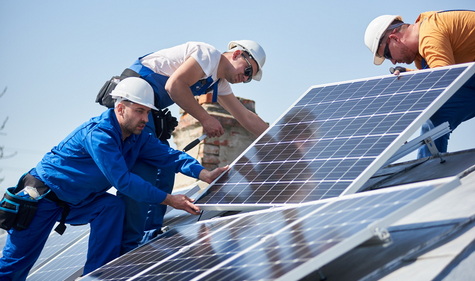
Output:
(128, 73)
(61, 227)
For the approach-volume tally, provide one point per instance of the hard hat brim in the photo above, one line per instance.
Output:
(124, 96)
(257, 76)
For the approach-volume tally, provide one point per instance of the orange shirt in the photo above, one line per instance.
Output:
(446, 38)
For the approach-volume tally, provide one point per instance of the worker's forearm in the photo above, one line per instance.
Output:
(183, 97)
(255, 124)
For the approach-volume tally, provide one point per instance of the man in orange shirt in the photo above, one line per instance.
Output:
(435, 39)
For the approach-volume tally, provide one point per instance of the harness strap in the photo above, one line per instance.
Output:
(215, 91)
(61, 227)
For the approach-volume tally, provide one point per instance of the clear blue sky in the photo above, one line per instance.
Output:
(55, 56)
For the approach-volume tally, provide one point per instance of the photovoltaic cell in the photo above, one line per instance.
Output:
(333, 139)
(285, 243)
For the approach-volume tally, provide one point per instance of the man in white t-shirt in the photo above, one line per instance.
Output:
(177, 74)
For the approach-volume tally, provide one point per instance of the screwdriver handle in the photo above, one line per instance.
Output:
(194, 143)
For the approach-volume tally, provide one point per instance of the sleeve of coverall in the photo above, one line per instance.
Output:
(104, 147)
(158, 154)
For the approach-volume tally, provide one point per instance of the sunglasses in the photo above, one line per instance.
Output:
(392, 29)
(247, 70)
(387, 53)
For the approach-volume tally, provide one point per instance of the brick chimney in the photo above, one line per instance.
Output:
(212, 152)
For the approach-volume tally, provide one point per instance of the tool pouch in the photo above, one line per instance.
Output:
(16, 212)
(103, 97)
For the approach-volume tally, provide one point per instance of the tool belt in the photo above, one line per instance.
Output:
(18, 212)
(163, 120)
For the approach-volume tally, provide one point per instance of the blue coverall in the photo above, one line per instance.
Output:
(141, 217)
(79, 171)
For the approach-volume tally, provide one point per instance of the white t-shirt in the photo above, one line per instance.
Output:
(167, 61)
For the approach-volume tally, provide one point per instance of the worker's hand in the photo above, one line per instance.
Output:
(397, 70)
(212, 127)
(181, 202)
(209, 176)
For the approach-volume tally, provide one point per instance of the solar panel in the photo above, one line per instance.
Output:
(333, 139)
(284, 243)
(62, 256)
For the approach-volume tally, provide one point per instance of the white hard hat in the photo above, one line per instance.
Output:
(136, 90)
(256, 52)
(375, 31)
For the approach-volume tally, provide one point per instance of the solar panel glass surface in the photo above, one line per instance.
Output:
(271, 244)
(329, 138)
(63, 255)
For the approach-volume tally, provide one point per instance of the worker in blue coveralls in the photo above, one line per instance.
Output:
(78, 172)
(177, 74)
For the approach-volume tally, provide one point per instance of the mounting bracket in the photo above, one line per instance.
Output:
(424, 139)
